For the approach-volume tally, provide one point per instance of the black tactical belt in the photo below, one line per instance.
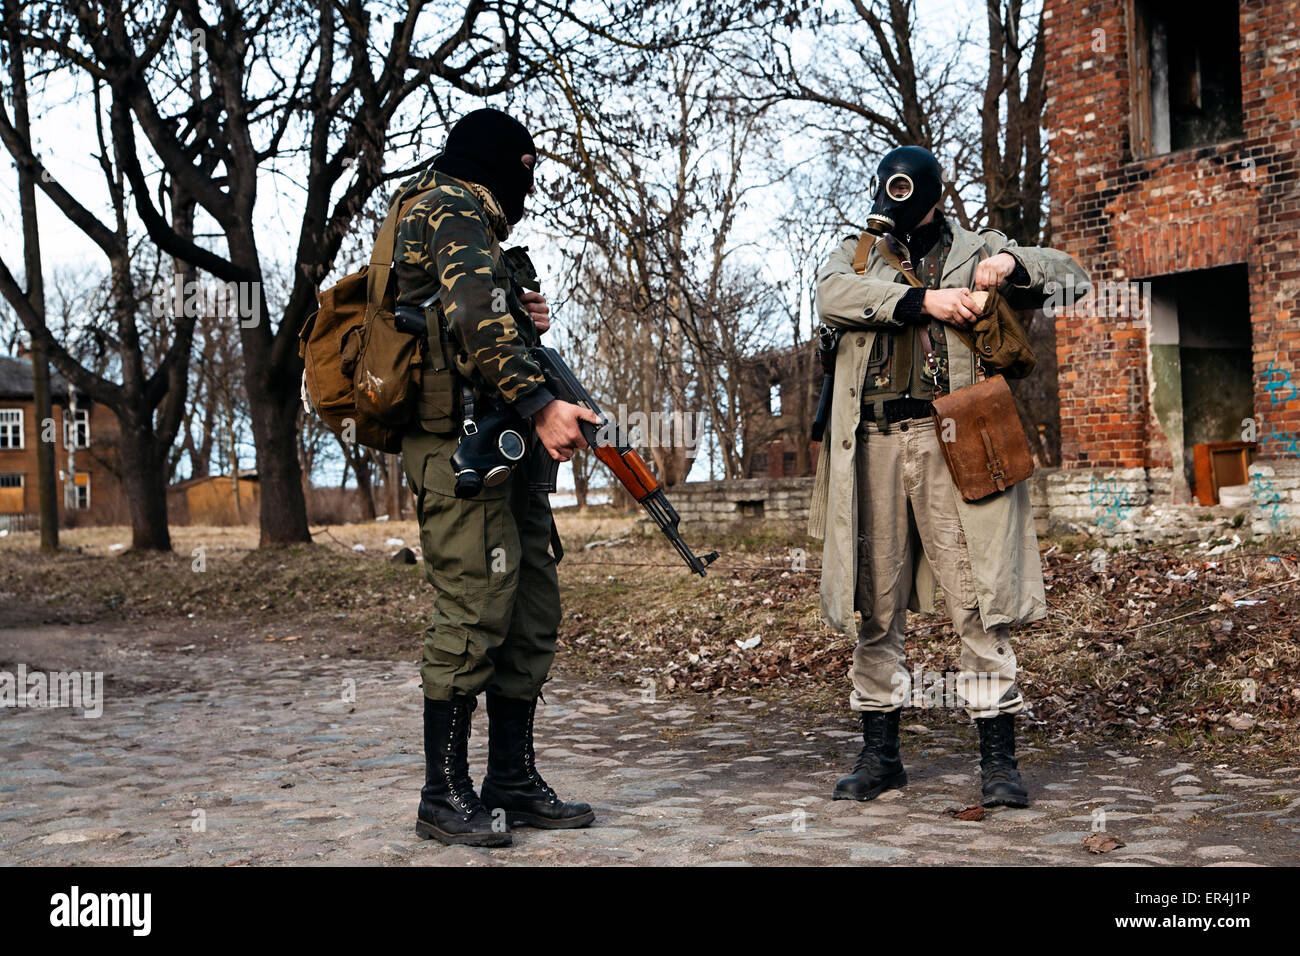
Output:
(899, 410)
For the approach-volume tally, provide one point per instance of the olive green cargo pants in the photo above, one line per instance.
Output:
(492, 562)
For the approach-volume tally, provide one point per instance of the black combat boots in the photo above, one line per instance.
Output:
(512, 781)
(450, 811)
(1001, 780)
(879, 767)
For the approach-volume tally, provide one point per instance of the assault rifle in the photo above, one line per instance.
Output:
(611, 447)
(828, 342)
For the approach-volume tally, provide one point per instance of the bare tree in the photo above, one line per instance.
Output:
(48, 505)
(148, 404)
(1011, 115)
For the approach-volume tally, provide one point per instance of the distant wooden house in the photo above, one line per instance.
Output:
(85, 436)
(215, 500)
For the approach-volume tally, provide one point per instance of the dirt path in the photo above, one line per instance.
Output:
(262, 756)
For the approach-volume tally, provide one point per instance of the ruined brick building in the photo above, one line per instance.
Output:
(1174, 134)
(781, 387)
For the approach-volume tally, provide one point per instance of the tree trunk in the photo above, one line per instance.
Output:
(145, 482)
(580, 483)
(274, 411)
(361, 468)
(47, 499)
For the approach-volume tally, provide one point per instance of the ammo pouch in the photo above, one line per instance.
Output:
(435, 406)
(982, 439)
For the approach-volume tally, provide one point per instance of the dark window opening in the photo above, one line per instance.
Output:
(1186, 75)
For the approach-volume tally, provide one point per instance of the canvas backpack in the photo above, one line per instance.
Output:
(361, 374)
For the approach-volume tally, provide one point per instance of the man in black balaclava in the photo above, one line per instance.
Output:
(492, 557)
(486, 147)
(882, 464)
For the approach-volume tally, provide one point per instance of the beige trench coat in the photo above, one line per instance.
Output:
(999, 530)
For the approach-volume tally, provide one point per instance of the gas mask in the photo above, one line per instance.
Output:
(907, 185)
(487, 452)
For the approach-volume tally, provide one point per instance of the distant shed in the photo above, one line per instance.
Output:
(210, 500)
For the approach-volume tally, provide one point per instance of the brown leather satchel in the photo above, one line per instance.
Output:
(982, 439)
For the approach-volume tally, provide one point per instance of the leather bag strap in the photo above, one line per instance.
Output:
(996, 471)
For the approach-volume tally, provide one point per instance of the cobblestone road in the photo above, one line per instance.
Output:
(258, 757)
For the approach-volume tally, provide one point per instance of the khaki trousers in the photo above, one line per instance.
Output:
(907, 500)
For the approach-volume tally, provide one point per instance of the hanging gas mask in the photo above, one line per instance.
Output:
(487, 452)
(906, 187)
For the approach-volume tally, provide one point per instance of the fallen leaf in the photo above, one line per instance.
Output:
(975, 812)
(1101, 842)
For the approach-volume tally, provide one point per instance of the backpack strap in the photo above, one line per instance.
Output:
(381, 258)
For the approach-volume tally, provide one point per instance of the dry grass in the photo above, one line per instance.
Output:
(373, 536)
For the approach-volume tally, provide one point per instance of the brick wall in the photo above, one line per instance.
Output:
(1126, 219)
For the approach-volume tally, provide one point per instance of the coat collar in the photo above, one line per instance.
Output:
(964, 245)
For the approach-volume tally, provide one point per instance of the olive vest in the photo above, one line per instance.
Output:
(911, 362)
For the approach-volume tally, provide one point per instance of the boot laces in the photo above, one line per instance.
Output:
(530, 764)
(875, 739)
(460, 788)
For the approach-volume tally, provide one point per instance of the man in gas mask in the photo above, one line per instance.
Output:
(884, 501)
(490, 557)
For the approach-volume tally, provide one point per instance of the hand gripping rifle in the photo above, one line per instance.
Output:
(608, 442)
(828, 342)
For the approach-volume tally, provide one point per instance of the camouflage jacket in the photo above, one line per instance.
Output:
(447, 251)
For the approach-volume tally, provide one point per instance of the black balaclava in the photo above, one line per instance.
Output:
(484, 147)
(908, 184)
